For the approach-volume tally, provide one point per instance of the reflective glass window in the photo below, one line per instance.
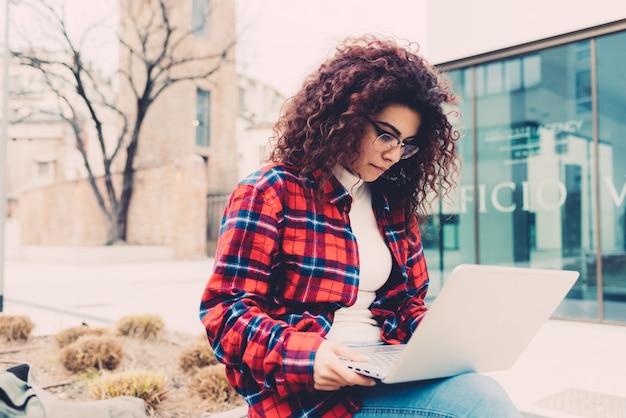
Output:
(534, 146)
(543, 181)
(611, 59)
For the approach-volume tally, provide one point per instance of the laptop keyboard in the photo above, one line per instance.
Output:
(383, 360)
(379, 364)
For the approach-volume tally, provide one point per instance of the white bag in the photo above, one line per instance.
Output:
(21, 396)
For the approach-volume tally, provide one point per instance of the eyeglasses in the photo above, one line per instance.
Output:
(385, 141)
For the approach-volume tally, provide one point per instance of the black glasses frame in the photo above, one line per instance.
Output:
(384, 137)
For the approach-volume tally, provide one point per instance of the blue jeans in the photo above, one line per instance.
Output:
(464, 396)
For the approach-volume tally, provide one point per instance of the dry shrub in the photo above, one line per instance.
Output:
(15, 327)
(210, 383)
(196, 356)
(142, 326)
(92, 352)
(144, 384)
(69, 335)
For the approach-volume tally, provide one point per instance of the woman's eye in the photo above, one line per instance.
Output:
(388, 138)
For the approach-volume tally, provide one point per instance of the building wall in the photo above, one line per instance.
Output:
(542, 120)
(39, 149)
(172, 175)
(64, 214)
(460, 28)
(259, 109)
(169, 207)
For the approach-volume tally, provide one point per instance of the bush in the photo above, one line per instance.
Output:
(90, 352)
(210, 383)
(15, 327)
(69, 335)
(144, 384)
(142, 326)
(196, 356)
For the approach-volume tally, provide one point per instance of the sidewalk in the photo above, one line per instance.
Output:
(570, 369)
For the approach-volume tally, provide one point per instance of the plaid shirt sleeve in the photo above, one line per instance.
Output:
(400, 301)
(235, 301)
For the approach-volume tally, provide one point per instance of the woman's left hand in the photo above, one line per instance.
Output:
(331, 373)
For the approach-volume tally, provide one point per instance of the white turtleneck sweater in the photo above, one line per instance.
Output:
(355, 325)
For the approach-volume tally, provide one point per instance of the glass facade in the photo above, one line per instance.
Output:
(543, 180)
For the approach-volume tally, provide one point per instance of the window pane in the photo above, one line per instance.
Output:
(583, 91)
(583, 84)
(494, 78)
(532, 70)
(480, 81)
(199, 17)
(513, 74)
(203, 114)
(611, 53)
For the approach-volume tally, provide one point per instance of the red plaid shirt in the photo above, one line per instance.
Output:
(285, 263)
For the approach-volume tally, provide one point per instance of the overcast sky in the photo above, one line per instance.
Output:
(281, 41)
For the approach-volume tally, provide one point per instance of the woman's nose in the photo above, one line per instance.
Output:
(393, 154)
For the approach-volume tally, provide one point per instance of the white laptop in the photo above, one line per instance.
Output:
(481, 321)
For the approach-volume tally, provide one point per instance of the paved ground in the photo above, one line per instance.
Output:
(570, 369)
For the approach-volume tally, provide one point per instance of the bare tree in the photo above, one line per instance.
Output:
(156, 54)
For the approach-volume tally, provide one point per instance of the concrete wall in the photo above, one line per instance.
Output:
(168, 209)
(461, 28)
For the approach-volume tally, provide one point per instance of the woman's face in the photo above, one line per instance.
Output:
(378, 153)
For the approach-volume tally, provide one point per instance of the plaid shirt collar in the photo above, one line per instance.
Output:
(339, 195)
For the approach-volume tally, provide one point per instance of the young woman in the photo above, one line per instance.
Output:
(321, 250)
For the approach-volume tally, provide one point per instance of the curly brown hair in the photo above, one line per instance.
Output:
(324, 122)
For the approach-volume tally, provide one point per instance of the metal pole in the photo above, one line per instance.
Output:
(3, 147)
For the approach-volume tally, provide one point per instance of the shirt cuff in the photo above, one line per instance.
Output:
(298, 361)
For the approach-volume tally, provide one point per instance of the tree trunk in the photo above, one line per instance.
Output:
(128, 181)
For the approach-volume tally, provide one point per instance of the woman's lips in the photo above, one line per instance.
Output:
(380, 169)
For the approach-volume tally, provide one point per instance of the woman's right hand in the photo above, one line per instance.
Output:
(331, 373)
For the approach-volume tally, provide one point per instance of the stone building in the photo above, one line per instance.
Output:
(259, 109)
(38, 147)
(187, 151)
